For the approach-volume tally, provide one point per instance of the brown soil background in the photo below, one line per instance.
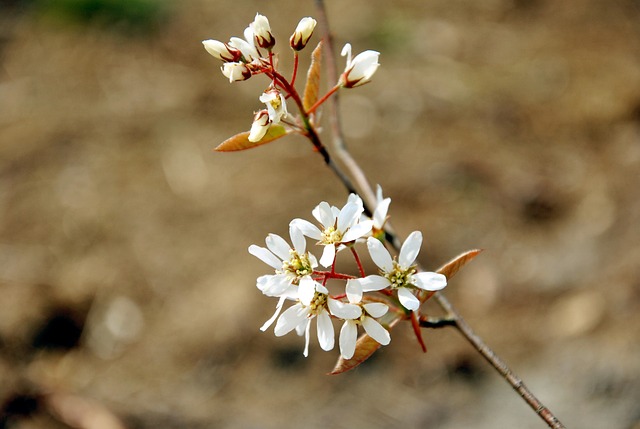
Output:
(512, 126)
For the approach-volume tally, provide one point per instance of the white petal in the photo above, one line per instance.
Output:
(326, 336)
(263, 281)
(297, 239)
(265, 256)
(306, 290)
(328, 255)
(348, 215)
(376, 309)
(357, 231)
(276, 285)
(380, 213)
(373, 283)
(410, 249)
(322, 213)
(408, 299)
(290, 319)
(307, 228)
(430, 281)
(278, 246)
(376, 331)
(275, 315)
(354, 291)
(343, 310)
(380, 254)
(348, 337)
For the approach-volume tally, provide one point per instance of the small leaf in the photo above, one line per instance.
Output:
(453, 266)
(365, 347)
(313, 79)
(241, 141)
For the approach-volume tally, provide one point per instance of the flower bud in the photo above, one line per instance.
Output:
(276, 105)
(222, 51)
(360, 69)
(262, 32)
(236, 71)
(303, 33)
(260, 126)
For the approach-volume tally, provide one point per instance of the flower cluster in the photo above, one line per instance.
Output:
(364, 300)
(245, 57)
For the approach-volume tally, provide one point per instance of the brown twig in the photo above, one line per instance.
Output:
(366, 192)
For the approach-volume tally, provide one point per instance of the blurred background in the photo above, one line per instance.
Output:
(128, 297)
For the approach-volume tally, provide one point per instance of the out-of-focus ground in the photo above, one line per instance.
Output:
(512, 126)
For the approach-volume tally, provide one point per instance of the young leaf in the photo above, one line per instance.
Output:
(453, 266)
(365, 347)
(313, 78)
(241, 141)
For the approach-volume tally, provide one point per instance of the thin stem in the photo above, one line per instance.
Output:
(295, 68)
(323, 99)
(357, 258)
(368, 195)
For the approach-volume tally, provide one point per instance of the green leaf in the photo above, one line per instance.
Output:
(241, 141)
(313, 79)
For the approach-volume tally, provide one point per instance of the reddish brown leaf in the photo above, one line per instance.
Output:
(241, 141)
(365, 347)
(313, 79)
(453, 266)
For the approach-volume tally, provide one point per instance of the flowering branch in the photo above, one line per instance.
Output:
(374, 302)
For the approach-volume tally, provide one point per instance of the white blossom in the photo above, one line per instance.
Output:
(339, 227)
(401, 275)
(276, 105)
(291, 265)
(302, 33)
(312, 303)
(355, 313)
(360, 69)
(236, 71)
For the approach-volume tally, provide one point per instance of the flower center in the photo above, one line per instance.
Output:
(400, 277)
(297, 265)
(331, 235)
(318, 303)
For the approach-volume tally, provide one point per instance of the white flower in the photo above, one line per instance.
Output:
(276, 105)
(360, 69)
(262, 32)
(356, 313)
(339, 227)
(401, 275)
(247, 46)
(312, 302)
(291, 265)
(222, 51)
(380, 212)
(303, 33)
(260, 126)
(236, 71)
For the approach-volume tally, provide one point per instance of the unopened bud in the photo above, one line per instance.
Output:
(262, 32)
(260, 126)
(222, 51)
(303, 33)
(360, 69)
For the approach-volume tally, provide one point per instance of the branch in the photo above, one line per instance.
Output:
(366, 192)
